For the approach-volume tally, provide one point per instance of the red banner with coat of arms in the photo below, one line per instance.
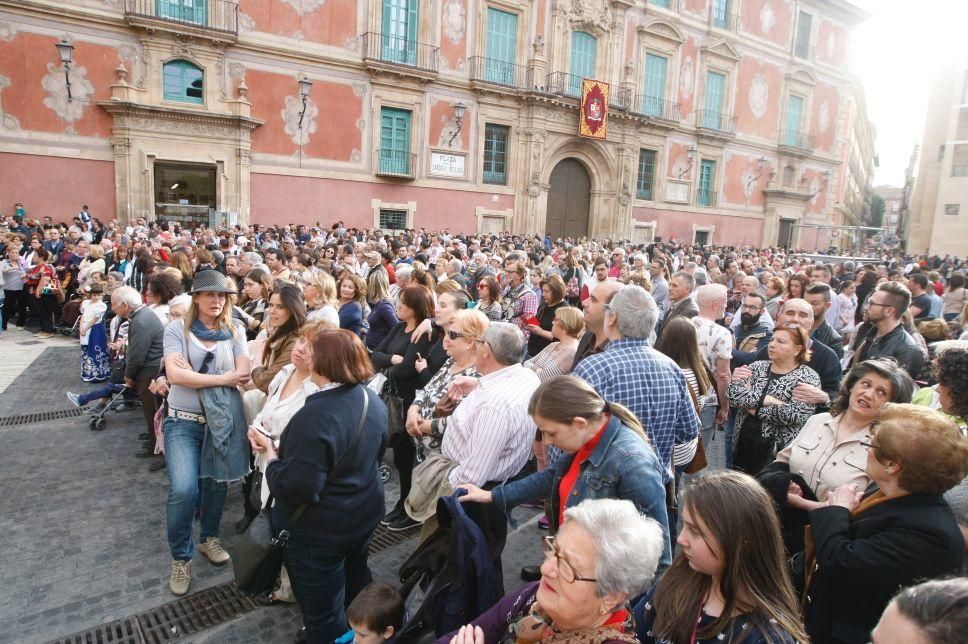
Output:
(593, 115)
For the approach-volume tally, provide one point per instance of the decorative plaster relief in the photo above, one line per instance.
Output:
(356, 156)
(302, 7)
(7, 31)
(454, 20)
(359, 89)
(360, 124)
(767, 18)
(246, 23)
(236, 70)
(290, 119)
(759, 95)
(595, 14)
(823, 117)
(685, 85)
(353, 44)
(814, 190)
(7, 121)
(55, 84)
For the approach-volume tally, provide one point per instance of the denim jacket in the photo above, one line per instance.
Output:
(622, 466)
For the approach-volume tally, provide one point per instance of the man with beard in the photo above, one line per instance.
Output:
(751, 334)
(882, 334)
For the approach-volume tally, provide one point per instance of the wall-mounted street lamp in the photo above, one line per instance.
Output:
(760, 164)
(826, 182)
(66, 52)
(692, 152)
(459, 110)
(305, 86)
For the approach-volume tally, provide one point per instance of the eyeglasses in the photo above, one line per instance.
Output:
(565, 570)
(870, 303)
(454, 335)
(751, 307)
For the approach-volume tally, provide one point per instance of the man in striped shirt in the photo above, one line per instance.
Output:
(489, 437)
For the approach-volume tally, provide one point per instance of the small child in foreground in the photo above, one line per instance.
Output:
(375, 615)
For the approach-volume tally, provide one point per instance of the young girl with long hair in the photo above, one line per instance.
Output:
(730, 582)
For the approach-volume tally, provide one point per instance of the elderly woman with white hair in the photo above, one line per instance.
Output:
(605, 554)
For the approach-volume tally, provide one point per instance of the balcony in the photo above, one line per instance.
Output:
(563, 84)
(400, 56)
(656, 108)
(716, 125)
(497, 75)
(723, 20)
(705, 198)
(216, 20)
(396, 164)
(620, 98)
(796, 143)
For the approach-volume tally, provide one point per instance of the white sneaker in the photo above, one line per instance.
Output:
(181, 576)
(214, 552)
(74, 398)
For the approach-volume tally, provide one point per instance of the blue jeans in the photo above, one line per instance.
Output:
(183, 448)
(707, 420)
(728, 438)
(325, 579)
(104, 391)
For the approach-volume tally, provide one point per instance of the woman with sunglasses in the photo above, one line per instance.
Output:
(605, 554)
(206, 447)
(489, 298)
(827, 453)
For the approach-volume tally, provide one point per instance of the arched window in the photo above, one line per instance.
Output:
(184, 82)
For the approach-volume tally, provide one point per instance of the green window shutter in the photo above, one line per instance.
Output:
(399, 40)
(654, 84)
(502, 33)
(583, 54)
(192, 11)
(793, 116)
(496, 154)
(705, 196)
(721, 13)
(646, 178)
(660, 3)
(804, 27)
(394, 141)
(183, 82)
(713, 105)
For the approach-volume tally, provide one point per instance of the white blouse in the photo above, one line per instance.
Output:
(825, 465)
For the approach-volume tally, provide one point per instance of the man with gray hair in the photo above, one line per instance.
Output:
(681, 302)
(490, 435)
(632, 373)
(142, 356)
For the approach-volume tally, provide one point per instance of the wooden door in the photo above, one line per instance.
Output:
(568, 200)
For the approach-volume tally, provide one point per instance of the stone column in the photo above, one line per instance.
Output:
(532, 203)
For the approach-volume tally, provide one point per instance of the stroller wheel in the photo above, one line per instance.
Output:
(97, 424)
(384, 473)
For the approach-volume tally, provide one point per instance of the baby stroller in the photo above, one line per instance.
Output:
(449, 579)
(117, 404)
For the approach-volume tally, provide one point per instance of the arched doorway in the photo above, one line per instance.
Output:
(568, 200)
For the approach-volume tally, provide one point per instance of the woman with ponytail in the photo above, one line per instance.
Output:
(606, 456)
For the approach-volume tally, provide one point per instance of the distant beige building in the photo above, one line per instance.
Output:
(938, 215)
(893, 203)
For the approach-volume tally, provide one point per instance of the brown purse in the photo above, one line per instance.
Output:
(698, 462)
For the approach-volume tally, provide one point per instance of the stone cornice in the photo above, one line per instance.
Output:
(190, 119)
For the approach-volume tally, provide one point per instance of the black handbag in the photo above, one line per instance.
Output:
(257, 560)
(396, 408)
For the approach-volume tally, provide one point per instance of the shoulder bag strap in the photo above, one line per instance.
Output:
(356, 439)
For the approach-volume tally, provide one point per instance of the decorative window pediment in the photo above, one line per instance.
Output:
(801, 77)
(722, 50)
(593, 16)
(662, 30)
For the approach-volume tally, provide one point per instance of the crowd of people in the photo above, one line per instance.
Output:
(592, 379)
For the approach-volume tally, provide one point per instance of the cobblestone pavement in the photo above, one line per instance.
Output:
(84, 525)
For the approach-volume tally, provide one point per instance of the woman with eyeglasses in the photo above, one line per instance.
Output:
(827, 453)
(206, 360)
(605, 554)
(900, 531)
(729, 582)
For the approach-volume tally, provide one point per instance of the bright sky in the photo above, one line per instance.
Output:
(896, 53)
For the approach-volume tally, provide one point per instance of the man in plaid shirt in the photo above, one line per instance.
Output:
(632, 373)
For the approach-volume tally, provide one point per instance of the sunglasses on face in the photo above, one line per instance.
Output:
(454, 335)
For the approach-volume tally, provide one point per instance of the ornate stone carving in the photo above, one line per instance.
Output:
(55, 84)
(538, 46)
(356, 156)
(759, 95)
(686, 84)
(181, 49)
(591, 14)
(243, 155)
(534, 190)
(246, 23)
(359, 89)
(7, 121)
(353, 44)
(290, 118)
(767, 18)
(236, 70)
(360, 124)
(121, 145)
(220, 74)
(243, 90)
(302, 7)
(454, 20)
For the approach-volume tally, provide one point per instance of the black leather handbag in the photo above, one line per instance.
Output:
(396, 408)
(257, 560)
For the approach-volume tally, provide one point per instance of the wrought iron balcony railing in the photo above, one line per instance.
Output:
(398, 164)
(396, 51)
(210, 15)
(564, 84)
(723, 19)
(796, 139)
(497, 72)
(656, 108)
(716, 121)
(705, 197)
